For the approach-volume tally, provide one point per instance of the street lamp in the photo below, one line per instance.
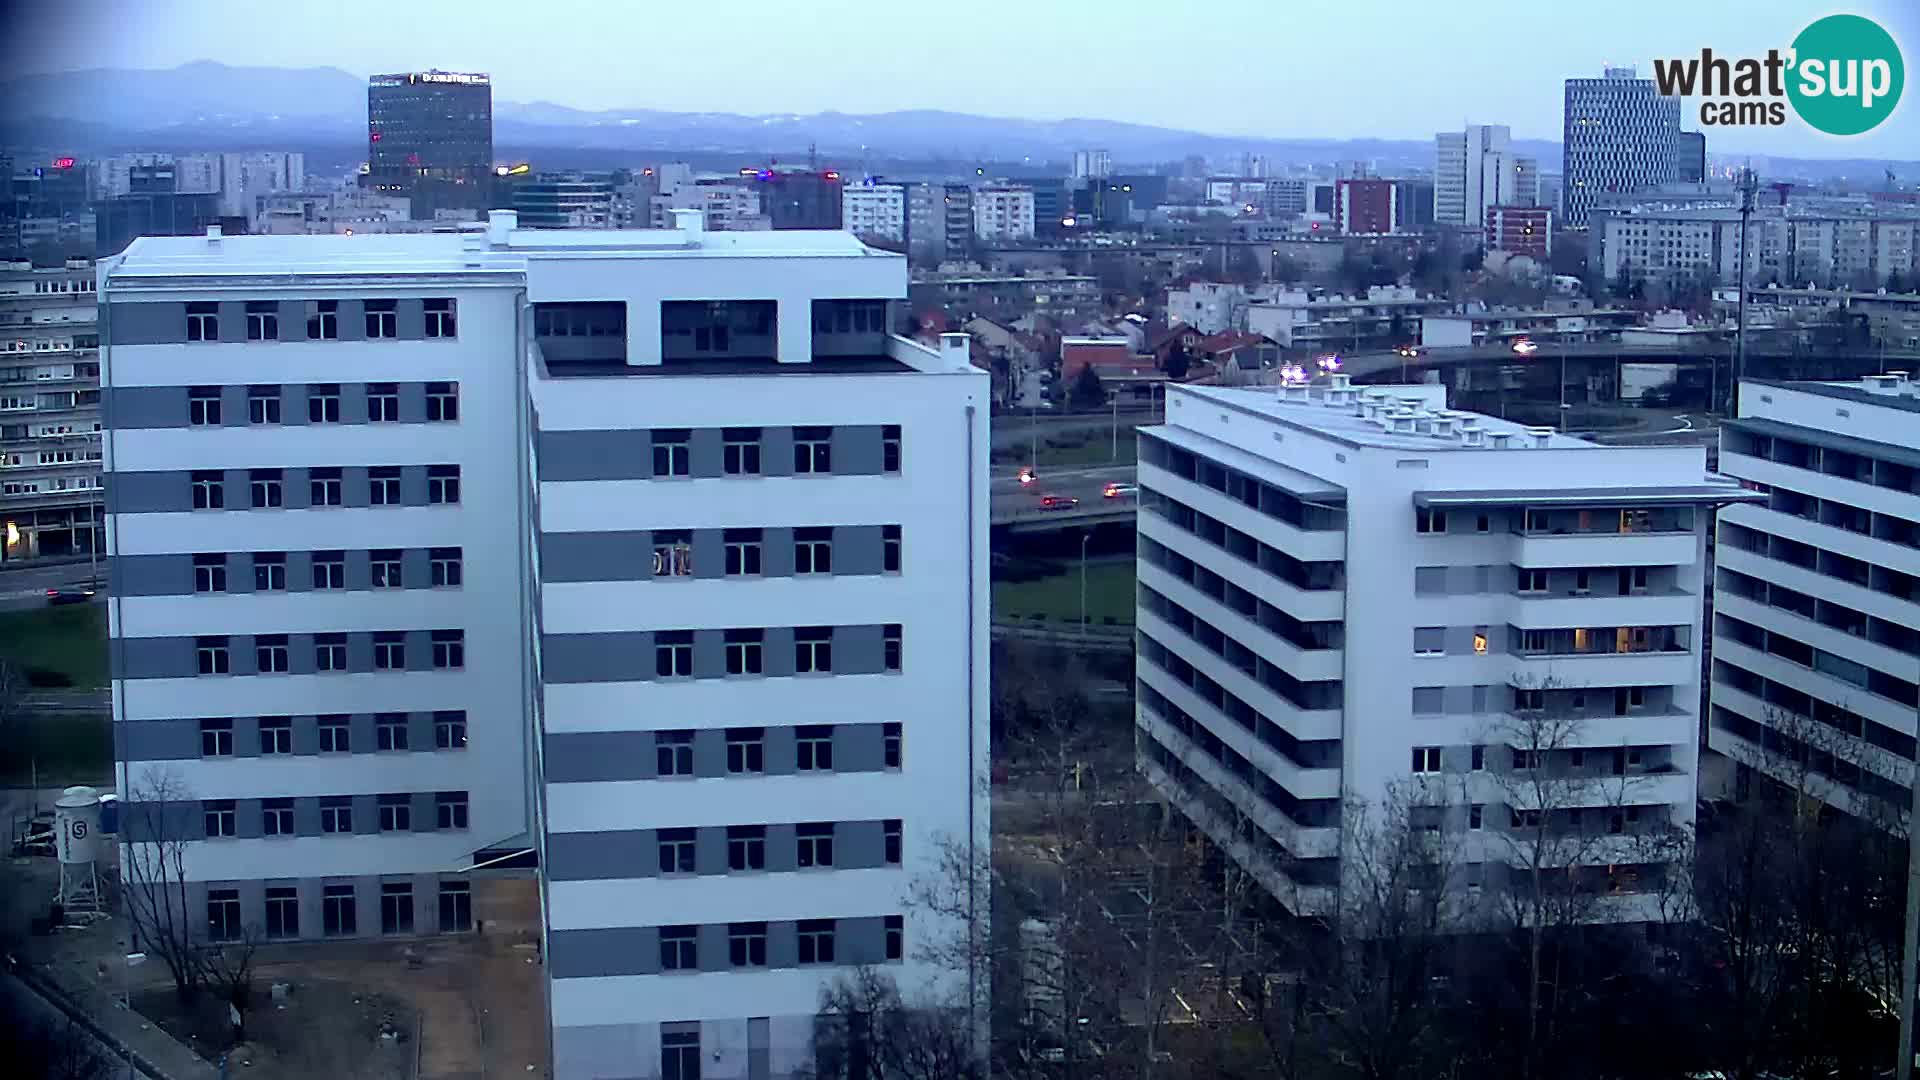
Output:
(1084, 538)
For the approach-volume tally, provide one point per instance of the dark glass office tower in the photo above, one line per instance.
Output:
(430, 137)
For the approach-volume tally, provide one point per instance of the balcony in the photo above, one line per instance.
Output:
(1546, 550)
(1653, 608)
(1300, 898)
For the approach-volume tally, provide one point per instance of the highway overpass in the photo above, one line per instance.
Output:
(1017, 506)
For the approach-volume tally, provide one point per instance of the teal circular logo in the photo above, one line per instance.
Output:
(1847, 75)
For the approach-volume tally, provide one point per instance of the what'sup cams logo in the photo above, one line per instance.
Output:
(1842, 75)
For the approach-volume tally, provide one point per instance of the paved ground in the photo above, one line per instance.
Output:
(26, 586)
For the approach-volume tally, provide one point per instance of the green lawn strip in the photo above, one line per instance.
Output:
(1110, 593)
(67, 748)
(70, 640)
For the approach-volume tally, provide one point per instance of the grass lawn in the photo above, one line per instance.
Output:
(70, 640)
(68, 748)
(1095, 451)
(1109, 595)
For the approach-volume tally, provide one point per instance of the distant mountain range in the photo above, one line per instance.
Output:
(210, 106)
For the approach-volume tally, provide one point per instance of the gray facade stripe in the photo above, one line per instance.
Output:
(586, 658)
(635, 950)
(581, 954)
(598, 556)
(246, 819)
(159, 658)
(856, 450)
(593, 756)
(148, 492)
(776, 552)
(366, 817)
(605, 756)
(857, 650)
(595, 455)
(146, 406)
(233, 321)
(156, 740)
(704, 453)
(147, 324)
(353, 320)
(628, 555)
(143, 822)
(410, 322)
(233, 406)
(776, 451)
(601, 856)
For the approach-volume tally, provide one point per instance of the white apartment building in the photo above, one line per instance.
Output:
(729, 205)
(1092, 164)
(1002, 214)
(727, 675)
(1476, 169)
(50, 492)
(1859, 251)
(1346, 589)
(875, 209)
(1816, 637)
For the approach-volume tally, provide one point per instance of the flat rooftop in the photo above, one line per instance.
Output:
(1907, 400)
(1341, 423)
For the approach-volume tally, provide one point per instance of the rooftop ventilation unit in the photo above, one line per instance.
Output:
(1499, 439)
(1542, 436)
(1473, 435)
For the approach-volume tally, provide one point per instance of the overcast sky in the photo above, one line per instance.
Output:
(1352, 68)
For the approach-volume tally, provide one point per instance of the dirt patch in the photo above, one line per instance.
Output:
(319, 1029)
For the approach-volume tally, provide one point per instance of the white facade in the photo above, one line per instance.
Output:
(1816, 644)
(49, 411)
(1858, 251)
(1002, 213)
(667, 399)
(875, 209)
(1347, 589)
(729, 206)
(1092, 164)
(1476, 169)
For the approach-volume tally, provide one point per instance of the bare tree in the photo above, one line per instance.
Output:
(226, 969)
(154, 877)
(866, 1031)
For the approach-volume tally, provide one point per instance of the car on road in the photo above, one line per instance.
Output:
(77, 593)
(1058, 502)
(1117, 490)
(1028, 475)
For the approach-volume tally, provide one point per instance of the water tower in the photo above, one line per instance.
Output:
(76, 844)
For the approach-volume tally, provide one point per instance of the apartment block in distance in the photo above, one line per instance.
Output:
(654, 552)
(1345, 591)
(50, 496)
(1816, 638)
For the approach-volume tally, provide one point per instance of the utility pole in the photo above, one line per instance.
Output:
(1115, 456)
(1084, 537)
(1748, 184)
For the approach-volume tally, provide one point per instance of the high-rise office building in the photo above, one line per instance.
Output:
(1693, 157)
(801, 198)
(1620, 133)
(430, 137)
(1092, 164)
(1347, 592)
(1816, 637)
(50, 491)
(1476, 169)
(736, 659)
(564, 201)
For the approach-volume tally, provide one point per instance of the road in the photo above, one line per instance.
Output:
(1088, 485)
(26, 586)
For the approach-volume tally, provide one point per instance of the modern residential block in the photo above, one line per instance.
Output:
(1348, 592)
(50, 495)
(654, 552)
(1816, 637)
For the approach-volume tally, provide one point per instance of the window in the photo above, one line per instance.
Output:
(223, 914)
(329, 569)
(672, 553)
(269, 654)
(211, 654)
(742, 552)
(216, 738)
(679, 1055)
(747, 944)
(673, 654)
(1476, 816)
(671, 452)
(746, 847)
(263, 487)
(815, 841)
(1479, 758)
(740, 451)
(263, 321)
(890, 549)
(890, 833)
(1633, 521)
(890, 745)
(1482, 523)
(1533, 581)
(890, 448)
(449, 650)
(443, 484)
(1526, 760)
(324, 486)
(812, 450)
(336, 814)
(383, 403)
(450, 730)
(440, 322)
(813, 649)
(396, 907)
(456, 907)
(218, 817)
(1426, 759)
(746, 750)
(1429, 640)
(383, 565)
(1627, 699)
(383, 318)
(390, 731)
(209, 573)
(896, 931)
(813, 748)
(203, 322)
(270, 571)
(673, 753)
(444, 565)
(276, 817)
(1429, 521)
(396, 813)
(679, 949)
(209, 490)
(744, 652)
(1582, 582)
(450, 810)
(335, 734)
(323, 320)
(283, 912)
(203, 406)
(389, 650)
(443, 402)
(276, 735)
(263, 404)
(1633, 579)
(383, 485)
(816, 941)
(1529, 700)
(323, 403)
(1524, 819)
(338, 911)
(1479, 641)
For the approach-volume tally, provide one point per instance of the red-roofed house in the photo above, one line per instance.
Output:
(1121, 370)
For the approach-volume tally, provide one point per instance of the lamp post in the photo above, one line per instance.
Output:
(1085, 536)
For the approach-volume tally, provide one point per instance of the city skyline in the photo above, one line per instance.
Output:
(1323, 93)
